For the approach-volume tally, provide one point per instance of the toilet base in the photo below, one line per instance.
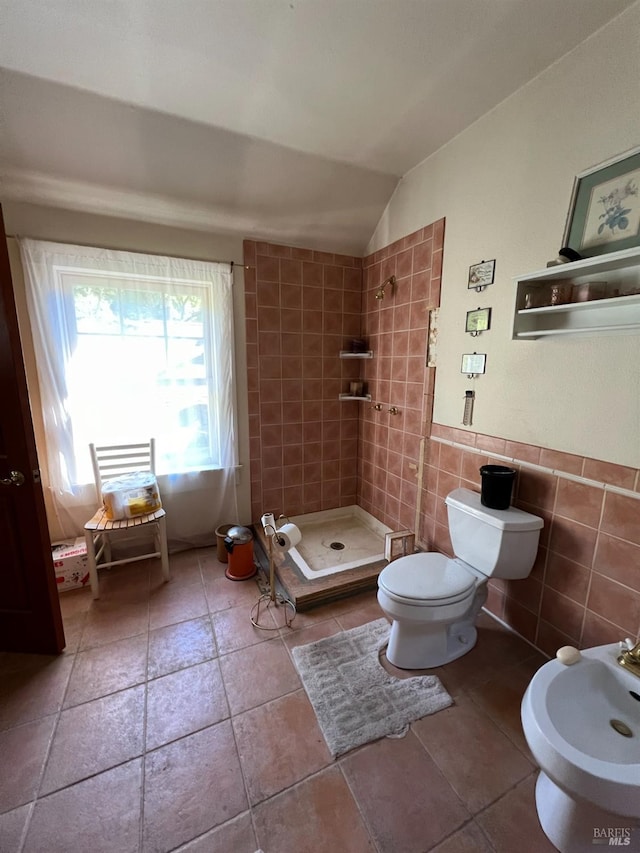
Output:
(413, 646)
(574, 826)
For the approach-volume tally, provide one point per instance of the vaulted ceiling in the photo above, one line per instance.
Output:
(288, 120)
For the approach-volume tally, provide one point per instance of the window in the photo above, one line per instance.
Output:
(150, 342)
(130, 346)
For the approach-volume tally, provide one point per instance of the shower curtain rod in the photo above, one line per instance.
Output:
(232, 264)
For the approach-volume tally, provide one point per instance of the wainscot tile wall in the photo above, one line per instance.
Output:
(584, 589)
(397, 329)
(309, 451)
(302, 308)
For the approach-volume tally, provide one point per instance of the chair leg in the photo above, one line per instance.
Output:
(164, 551)
(93, 569)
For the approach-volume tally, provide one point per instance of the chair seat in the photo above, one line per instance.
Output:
(100, 521)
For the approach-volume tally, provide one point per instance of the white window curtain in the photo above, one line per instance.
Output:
(131, 346)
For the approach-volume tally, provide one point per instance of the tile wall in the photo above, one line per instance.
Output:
(309, 451)
(302, 308)
(397, 330)
(584, 589)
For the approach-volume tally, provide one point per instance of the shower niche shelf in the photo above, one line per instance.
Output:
(365, 397)
(359, 355)
(619, 312)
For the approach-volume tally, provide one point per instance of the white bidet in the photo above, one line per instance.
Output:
(582, 724)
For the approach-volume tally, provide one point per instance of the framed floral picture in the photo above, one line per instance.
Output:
(604, 213)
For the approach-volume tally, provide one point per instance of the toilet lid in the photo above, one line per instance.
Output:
(426, 577)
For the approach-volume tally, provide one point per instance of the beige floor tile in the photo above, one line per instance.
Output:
(478, 760)
(236, 836)
(173, 602)
(108, 621)
(367, 613)
(24, 751)
(223, 593)
(501, 698)
(469, 839)
(184, 702)
(512, 822)
(73, 628)
(126, 583)
(257, 675)
(279, 744)
(75, 601)
(184, 567)
(316, 815)
(31, 686)
(233, 630)
(496, 648)
(95, 736)
(12, 825)
(315, 631)
(107, 669)
(183, 644)
(405, 799)
(308, 619)
(191, 786)
(100, 815)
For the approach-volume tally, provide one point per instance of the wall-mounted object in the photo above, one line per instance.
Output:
(478, 321)
(604, 211)
(473, 364)
(467, 414)
(481, 275)
(432, 340)
(394, 410)
(379, 294)
(617, 311)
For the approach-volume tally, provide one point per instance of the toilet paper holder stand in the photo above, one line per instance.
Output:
(271, 598)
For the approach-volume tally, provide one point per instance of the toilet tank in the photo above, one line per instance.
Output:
(499, 543)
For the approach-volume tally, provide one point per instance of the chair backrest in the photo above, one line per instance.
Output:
(114, 460)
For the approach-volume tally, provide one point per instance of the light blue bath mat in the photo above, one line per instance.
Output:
(354, 698)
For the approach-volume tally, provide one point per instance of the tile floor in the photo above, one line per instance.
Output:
(170, 723)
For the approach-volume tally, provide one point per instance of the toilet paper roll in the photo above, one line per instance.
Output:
(287, 537)
(268, 521)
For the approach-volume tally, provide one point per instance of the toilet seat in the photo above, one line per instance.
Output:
(427, 580)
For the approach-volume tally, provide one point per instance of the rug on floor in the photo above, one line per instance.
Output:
(355, 700)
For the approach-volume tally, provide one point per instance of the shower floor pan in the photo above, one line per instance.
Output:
(337, 573)
(337, 540)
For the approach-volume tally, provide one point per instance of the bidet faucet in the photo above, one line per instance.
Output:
(629, 656)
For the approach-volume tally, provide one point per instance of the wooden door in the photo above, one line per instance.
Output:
(30, 619)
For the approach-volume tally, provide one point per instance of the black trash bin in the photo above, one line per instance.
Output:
(496, 486)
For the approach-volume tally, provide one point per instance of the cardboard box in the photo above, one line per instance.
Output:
(70, 563)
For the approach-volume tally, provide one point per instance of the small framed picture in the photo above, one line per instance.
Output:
(604, 212)
(480, 275)
(478, 321)
(473, 363)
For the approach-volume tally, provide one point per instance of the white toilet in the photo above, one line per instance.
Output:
(433, 600)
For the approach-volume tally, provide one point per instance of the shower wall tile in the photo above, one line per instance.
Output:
(302, 308)
(585, 586)
(396, 328)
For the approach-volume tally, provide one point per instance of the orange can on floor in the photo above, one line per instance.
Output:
(239, 545)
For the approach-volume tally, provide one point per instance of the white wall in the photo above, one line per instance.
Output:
(504, 187)
(47, 223)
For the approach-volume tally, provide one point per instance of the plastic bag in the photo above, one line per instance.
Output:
(131, 495)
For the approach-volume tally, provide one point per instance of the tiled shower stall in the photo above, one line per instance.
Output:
(311, 451)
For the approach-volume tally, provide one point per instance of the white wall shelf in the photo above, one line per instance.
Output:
(349, 354)
(615, 314)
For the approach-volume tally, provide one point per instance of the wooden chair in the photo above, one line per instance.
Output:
(111, 461)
